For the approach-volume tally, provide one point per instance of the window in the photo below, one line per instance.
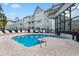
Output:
(32, 21)
(75, 16)
(32, 27)
(20, 23)
(63, 21)
(38, 21)
(67, 19)
(29, 22)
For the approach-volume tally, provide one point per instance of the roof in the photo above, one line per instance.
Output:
(52, 12)
(58, 5)
(39, 8)
(55, 8)
(30, 16)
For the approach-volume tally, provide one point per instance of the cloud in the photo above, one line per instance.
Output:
(15, 6)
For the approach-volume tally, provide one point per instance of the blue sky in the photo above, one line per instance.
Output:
(13, 10)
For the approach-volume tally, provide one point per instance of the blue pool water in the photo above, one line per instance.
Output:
(31, 40)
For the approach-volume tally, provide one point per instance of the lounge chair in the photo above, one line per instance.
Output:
(43, 31)
(23, 31)
(31, 31)
(1, 32)
(18, 31)
(36, 31)
(13, 31)
(26, 31)
(6, 31)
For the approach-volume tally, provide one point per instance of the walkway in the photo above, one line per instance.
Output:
(55, 47)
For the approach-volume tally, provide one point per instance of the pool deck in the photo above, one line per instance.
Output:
(55, 47)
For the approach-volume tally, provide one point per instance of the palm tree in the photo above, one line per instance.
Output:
(3, 19)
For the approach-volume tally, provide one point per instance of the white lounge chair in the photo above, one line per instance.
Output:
(1, 32)
(18, 31)
(26, 31)
(13, 31)
(31, 31)
(36, 31)
(6, 31)
(23, 31)
(43, 31)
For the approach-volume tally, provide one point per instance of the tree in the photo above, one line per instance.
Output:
(3, 19)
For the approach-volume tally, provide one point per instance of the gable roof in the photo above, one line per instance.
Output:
(38, 8)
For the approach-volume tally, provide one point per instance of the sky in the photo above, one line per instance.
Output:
(13, 10)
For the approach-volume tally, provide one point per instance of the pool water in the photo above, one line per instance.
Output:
(31, 40)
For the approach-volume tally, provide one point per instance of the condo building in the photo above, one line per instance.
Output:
(28, 22)
(11, 25)
(40, 20)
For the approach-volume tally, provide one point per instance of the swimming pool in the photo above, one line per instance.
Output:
(31, 40)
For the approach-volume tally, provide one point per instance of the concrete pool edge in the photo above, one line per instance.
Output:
(9, 47)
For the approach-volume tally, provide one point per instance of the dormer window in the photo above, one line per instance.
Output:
(20, 23)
